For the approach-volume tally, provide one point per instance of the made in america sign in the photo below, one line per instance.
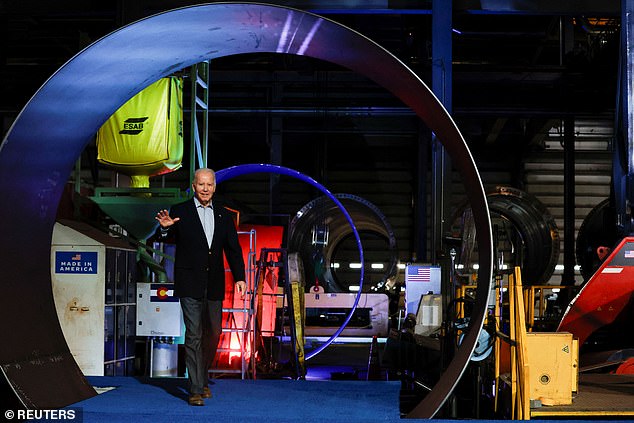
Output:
(84, 262)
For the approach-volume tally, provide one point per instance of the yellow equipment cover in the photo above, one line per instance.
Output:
(145, 136)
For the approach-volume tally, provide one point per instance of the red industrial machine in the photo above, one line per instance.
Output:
(606, 298)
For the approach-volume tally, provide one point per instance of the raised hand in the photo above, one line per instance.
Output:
(165, 220)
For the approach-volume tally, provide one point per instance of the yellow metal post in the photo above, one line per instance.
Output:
(513, 348)
(498, 346)
(520, 339)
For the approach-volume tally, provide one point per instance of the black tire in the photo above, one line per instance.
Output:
(598, 229)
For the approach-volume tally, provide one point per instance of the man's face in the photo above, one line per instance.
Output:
(204, 186)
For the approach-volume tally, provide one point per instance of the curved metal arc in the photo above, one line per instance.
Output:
(44, 142)
(246, 169)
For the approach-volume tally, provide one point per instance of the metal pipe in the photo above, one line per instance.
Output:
(568, 277)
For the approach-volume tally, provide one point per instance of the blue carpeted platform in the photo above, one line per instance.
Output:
(165, 400)
(158, 400)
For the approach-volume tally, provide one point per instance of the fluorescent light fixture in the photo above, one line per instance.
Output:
(355, 265)
(377, 265)
(560, 267)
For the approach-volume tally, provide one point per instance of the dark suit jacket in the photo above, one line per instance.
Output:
(199, 269)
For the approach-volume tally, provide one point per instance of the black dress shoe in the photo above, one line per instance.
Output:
(206, 392)
(196, 399)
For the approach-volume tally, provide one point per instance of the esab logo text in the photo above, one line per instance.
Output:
(133, 126)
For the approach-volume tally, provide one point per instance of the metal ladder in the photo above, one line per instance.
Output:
(245, 333)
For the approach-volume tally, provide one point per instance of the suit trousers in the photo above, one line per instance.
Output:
(203, 326)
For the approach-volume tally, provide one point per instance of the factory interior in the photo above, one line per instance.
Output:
(433, 199)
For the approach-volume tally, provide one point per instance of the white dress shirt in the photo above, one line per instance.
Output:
(206, 215)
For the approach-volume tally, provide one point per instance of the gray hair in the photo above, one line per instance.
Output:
(204, 170)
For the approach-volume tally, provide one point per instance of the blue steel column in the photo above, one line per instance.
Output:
(627, 29)
(441, 165)
(623, 163)
(441, 77)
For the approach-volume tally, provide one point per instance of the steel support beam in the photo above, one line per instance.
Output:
(441, 76)
(274, 132)
(623, 163)
(568, 277)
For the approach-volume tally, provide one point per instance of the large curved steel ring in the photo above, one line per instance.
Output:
(40, 149)
(232, 172)
(366, 216)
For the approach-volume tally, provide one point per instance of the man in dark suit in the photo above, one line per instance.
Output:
(201, 233)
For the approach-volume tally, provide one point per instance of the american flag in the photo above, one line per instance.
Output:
(418, 274)
(629, 254)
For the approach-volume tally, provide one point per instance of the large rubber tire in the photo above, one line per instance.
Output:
(537, 229)
(597, 230)
(534, 225)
